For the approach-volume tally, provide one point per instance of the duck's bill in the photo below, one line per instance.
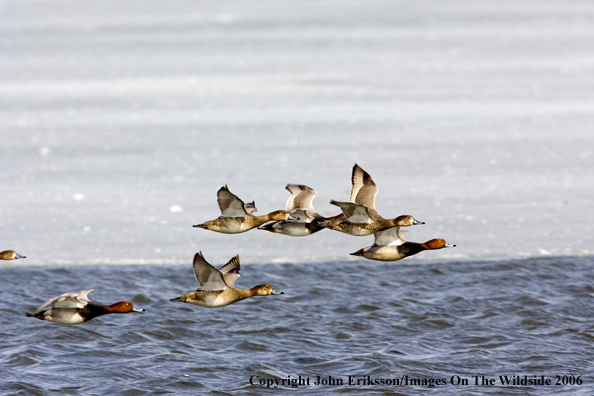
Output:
(136, 309)
(417, 222)
(449, 245)
(276, 292)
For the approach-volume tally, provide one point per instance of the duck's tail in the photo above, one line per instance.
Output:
(177, 298)
(203, 226)
(359, 253)
(267, 226)
(329, 222)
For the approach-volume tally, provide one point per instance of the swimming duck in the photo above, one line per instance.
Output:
(237, 217)
(305, 221)
(74, 308)
(390, 246)
(10, 255)
(217, 287)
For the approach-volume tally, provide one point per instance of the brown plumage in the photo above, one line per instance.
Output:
(10, 255)
(217, 287)
(236, 217)
(360, 217)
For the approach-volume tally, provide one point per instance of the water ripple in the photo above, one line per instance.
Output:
(433, 320)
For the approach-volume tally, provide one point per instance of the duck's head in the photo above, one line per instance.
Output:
(10, 255)
(279, 215)
(124, 307)
(264, 290)
(437, 243)
(407, 220)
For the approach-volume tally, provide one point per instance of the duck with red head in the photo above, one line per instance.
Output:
(390, 246)
(75, 308)
(217, 286)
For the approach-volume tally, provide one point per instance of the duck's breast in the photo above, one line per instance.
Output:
(384, 253)
(356, 229)
(294, 229)
(235, 225)
(68, 316)
(207, 299)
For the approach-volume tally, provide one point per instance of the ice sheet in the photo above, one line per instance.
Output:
(121, 120)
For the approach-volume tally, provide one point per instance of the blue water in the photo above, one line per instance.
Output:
(440, 320)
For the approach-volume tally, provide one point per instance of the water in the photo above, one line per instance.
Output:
(426, 320)
(119, 121)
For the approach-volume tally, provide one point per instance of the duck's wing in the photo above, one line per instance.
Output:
(209, 278)
(354, 213)
(250, 207)
(364, 189)
(231, 271)
(301, 197)
(76, 299)
(230, 205)
(393, 236)
(302, 215)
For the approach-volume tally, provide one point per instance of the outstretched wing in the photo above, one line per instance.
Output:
(301, 197)
(354, 213)
(76, 299)
(209, 278)
(230, 205)
(231, 271)
(390, 237)
(364, 189)
(250, 207)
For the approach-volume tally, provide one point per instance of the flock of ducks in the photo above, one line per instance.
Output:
(217, 286)
(359, 218)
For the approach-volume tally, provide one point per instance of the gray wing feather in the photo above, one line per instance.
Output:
(250, 207)
(301, 197)
(231, 271)
(393, 236)
(76, 299)
(354, 213)
(364, 188)
(209, 278)
(230, 205)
